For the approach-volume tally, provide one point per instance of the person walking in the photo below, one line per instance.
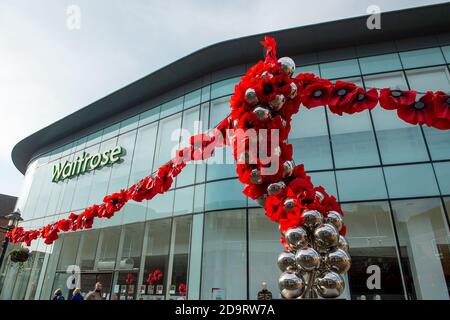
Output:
(77, 296)
(96, 294)
(58, 296)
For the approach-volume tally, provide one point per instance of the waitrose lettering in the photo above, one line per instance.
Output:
(86, 162)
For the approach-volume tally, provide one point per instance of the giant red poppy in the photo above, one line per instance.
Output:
(316, 94)
(363, 100)
(342, 96)
(394, 99)
(419, 112)
(442, 110)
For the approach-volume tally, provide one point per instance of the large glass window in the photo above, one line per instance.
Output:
(370, 235)
(217, 198)
(168, 139)
(263, 249)
(411, 181)
(443, 176)
(325, 179)
(398, 141)
(381, 63)
(353, 138)
(422, 58)
(156, 254)
(224, 268)
(68, 251)
(223, 88)
(190, 127)
(160, 206)
(310, 140)
(141, 167)
(184, 198)
(340, 69)
(179, 257)
(361, 184)
(221, 164)
(87, 249)
(435, 79)
(424, 246)
(109, 243)
(171, 107)
(130, 257)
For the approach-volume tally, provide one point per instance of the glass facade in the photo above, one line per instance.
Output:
(391, 178)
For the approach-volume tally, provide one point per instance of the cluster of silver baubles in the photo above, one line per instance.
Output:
(316, 259)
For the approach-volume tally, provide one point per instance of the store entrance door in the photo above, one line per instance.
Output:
(88, 281)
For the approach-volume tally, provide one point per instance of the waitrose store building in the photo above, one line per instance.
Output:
(392, 179)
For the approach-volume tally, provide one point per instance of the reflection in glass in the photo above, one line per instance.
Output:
(216, 198)
(181, 235)
(183, 200)
(109, 243)
(361, 184)
(398, 140)
(130, 257)
(422, 58)
(310, 140)
(424, 247)
(264, 248)
(381, 63)
(87, 250)
(224, 256)
(157, 256)
(411, 181)
(372, 245)
(224, 87)
(443, 176)
(69, 250)
(339, 69)
(353, 138)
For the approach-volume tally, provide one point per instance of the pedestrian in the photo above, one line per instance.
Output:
(96, 294)
(77, 296)
(58, 296)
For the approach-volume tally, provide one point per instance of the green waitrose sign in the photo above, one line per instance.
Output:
(86, 162)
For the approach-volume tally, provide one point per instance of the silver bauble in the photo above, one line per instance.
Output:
(293, 92)
(307, 259)
(289, 204)
(287, 65)
(286, 261)
(339, 261)
(236, 123)
(326, 236)
(262, 113)
(335, 219)
(343, 244)
(255, 177)
(330, 285)
(288, 168)
(312, 219)
(275, 188)
(291, 285)
(277, 102)
(296, 238)
(250, 96)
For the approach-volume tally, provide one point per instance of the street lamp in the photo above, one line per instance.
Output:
(13, 221)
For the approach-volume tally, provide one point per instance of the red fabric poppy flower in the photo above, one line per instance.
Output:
(394, 99)
(363, 100)
(275, 208)
(317, 94)
(342, 95)
(182, 289)
(442, 111)
(419, 112)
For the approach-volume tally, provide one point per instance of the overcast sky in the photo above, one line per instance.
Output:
(48, 71)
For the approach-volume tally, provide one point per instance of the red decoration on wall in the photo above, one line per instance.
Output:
(266, 98)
